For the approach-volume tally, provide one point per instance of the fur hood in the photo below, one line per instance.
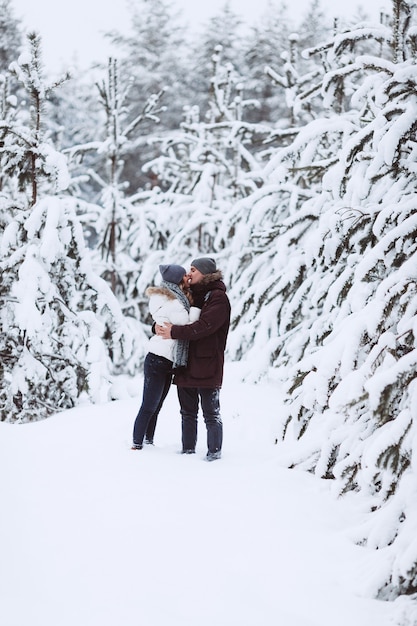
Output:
(160, 291)
(211, 278)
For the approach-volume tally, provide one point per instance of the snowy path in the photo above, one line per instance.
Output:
(93, 534)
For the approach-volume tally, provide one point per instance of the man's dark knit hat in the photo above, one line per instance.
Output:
(204, 265)
(172, 273)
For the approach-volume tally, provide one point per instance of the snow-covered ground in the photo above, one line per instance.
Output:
(94, 534)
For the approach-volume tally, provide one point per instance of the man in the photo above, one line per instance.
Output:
(201, 380)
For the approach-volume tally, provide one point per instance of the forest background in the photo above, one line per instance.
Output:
(288, 153)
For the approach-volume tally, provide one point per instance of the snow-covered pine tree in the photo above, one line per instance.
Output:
(11, 38)
(146, 55)
(8, 104)
(263, 47)
(212, 158)
(223, 29)
(26, 154)
(326, 289)
(297, 86)
(201, 167)
(115, 218)
(314, 26)
(55, 314)
(75, 117)
(59, 320)
(204, 166)
(110, 221)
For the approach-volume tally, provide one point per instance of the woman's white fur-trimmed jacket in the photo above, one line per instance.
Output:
(164, 306)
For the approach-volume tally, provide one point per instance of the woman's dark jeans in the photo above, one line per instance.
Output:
(157, 377)
(189, 398)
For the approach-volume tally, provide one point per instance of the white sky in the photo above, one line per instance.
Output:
(72, 31)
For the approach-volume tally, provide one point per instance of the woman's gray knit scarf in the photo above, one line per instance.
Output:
(181, 345)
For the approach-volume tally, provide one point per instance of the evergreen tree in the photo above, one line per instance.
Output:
(314, 27)
(11, 38)
(212, 159)
(61, 327)
(27, 153)
(146, 55)
(119, 131)
(263, 48)
(222, 31)
(324, 287)
(146, 52)
(110, 221)
(76, 117)
(55, 315)
(8, 105)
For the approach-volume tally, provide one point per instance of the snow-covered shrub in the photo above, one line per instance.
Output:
(61, 327)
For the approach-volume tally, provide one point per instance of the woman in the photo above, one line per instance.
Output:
(171, 302)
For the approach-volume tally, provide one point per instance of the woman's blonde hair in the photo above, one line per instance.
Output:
(187, 291)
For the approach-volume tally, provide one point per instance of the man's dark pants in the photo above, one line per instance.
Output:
(189, 398)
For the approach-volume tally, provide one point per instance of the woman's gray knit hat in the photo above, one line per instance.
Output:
(204, 265)
(172, 273)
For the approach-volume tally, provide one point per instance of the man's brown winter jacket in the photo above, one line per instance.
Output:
(207, 336)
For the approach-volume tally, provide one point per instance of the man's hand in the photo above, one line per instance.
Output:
(163, 331)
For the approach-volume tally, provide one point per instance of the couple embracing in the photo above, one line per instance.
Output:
(191, 312)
